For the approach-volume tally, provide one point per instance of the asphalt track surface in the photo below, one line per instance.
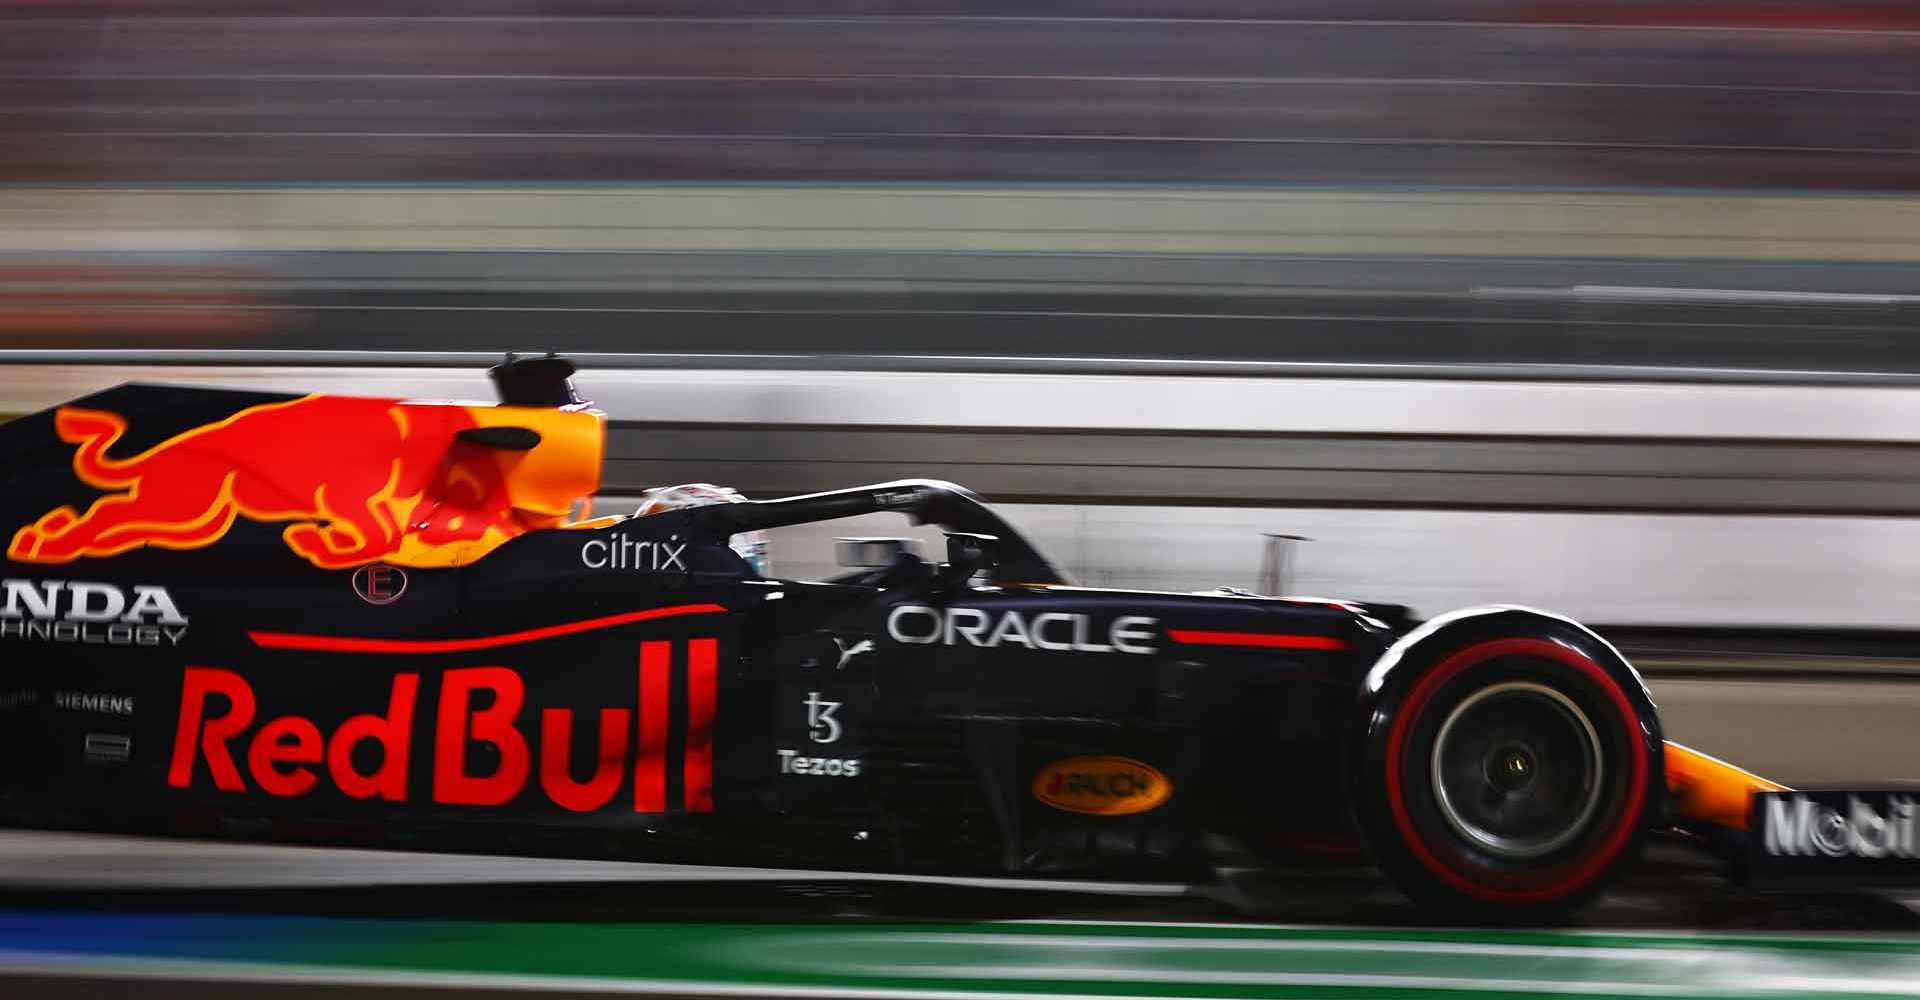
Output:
(95, 916)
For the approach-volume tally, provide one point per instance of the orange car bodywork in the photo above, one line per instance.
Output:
(1707, 790)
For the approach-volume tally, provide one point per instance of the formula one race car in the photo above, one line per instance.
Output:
(372, 621)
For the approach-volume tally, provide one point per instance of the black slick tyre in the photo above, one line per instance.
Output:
(1506, 766)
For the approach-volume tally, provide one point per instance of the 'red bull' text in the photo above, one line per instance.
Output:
(221, 733)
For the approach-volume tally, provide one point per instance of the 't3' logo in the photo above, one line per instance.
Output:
(822, 727)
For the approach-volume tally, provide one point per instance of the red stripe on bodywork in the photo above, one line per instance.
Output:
(1263, 640)
(355, 644)
(650, 755)
(702, 693)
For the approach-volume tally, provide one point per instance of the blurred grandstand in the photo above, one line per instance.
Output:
(1486, 93)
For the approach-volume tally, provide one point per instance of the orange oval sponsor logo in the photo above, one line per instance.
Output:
(1102, 786)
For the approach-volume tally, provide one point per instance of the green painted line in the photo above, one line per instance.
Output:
(978, 959)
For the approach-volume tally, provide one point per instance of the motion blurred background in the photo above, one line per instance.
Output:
(1601, 306)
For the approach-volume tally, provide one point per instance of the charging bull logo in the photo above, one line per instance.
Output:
(356, 481)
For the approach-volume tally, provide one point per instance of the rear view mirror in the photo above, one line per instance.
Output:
(535, 381)
(872, 553)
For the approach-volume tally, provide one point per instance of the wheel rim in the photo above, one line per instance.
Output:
(1517, 770)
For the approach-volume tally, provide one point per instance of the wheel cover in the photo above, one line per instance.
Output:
(1517, 770)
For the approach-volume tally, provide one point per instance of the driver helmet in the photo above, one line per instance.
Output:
(751, 545)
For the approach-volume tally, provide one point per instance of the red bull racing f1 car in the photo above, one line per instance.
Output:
(376, 621)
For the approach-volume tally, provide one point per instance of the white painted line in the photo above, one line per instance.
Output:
(33, 858)
(1738, 982)
(1385, 943)
(1200, 977)
(1901, 985)
(93, 966)
(1632, 293)
(1601, 970)
(1757, 940)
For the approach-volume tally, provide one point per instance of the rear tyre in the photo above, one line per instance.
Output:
(1506, 768)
